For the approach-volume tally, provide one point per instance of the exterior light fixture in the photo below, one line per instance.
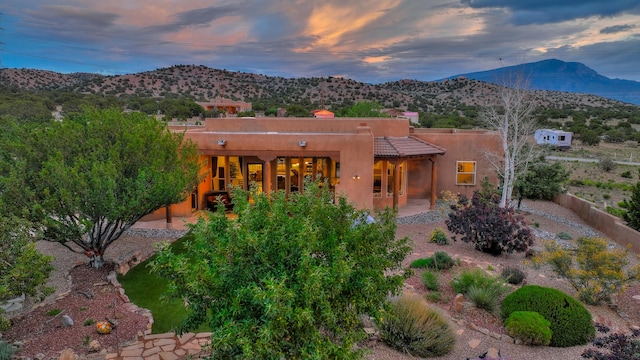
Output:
(222, 142)
(302, 143)
(356, 177)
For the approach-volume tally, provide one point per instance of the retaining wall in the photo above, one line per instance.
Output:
(610, 225)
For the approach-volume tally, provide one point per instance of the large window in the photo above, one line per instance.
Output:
(377, 179)
(465, 173)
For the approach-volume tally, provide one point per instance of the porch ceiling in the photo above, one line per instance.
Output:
(396, 147)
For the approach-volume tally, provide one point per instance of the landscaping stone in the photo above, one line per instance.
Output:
(66, 321)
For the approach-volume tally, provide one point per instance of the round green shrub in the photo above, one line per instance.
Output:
(513, 275)
(439, 237)
(5, 323)
(570, 320)
(413, 327)
(529, 327)
(442, 261)
(430, 281)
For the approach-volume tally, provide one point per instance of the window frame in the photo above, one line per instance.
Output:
(460, 171)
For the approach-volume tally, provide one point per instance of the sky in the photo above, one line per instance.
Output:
(372, 41)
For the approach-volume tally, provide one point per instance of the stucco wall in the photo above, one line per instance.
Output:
(460, 145)
(610, 225)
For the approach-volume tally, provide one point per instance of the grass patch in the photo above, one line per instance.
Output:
(145, 289)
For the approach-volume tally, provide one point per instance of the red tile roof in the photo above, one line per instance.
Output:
(393, 147)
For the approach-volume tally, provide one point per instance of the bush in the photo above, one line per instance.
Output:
(442, 261)
(6, 351)
(476, 277)
(564, 236)
(595, 271)
(491, 228)
(513, 275)
(626, 174)
(606, 164)
(529, 327)
(5, 323)
(439, 237)
(439, 261)
(570, 320)
(413, 327)
(486, 298)
(430, 281)
(617, 346)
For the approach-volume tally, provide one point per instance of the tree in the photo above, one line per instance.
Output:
(289, 277)
(632, 207)
(590, 138)
(364, 109)
(99, 172)
(512, 118)
(491, 228)
(23, 269)
(543, 181)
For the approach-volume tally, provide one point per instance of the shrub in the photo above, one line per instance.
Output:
(570, 320)
(5, 323)
(430, 281)
(626, 174)
(54, 312)
(563, 236)
(413, 327)
(475, 277)
(442, 261)
(435, 296)
(439, 237)
(513, 275)
(606, 164)
(594, 270)
(486, 298)
(632, 215)
(491, 228)
(421, 263)
(89, 322)
(529, 327)
(617, 346)
(6, 351)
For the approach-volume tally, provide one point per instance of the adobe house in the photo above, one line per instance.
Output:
(375, 162)
(226, 106)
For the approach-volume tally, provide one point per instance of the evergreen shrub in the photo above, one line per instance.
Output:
(529, 327)
(570, 320)
(513, 275)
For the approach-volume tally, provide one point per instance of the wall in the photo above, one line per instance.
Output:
(467, 145)
(610, 225)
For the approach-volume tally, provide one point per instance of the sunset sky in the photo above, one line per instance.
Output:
(366, 40)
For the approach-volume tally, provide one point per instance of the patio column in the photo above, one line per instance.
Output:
(434, 176)
(396, 182)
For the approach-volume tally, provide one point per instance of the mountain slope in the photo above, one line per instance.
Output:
(564, 76)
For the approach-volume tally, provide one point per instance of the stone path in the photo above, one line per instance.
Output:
(168, 346)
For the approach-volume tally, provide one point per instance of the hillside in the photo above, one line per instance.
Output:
(563, 76)
(203, 83)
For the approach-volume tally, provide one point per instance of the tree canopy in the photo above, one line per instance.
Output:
(87, 179)
(289, 277)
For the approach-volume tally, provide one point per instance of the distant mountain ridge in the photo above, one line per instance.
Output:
(558, 75)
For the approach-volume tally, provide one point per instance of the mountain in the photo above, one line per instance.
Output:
(563, 76)
(203, 83)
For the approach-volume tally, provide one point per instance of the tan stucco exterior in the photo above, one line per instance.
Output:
(268, 142)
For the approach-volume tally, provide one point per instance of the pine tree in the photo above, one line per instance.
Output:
(632, 216)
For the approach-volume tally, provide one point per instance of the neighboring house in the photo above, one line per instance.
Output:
(226, 106)
(323, 114)
(557, 138)
(412, 116)
(375, 162)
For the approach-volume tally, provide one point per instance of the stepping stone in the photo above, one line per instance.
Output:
(473, 343)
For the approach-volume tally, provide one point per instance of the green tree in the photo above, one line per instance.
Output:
(364, 109)
(23, 269)
(632, 207)
(297, 111)
(543, 181)
(87, 179)
(590, 138)
(289, 277)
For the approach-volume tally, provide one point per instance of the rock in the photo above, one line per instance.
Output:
(493, 353)
(66, 321)
(458, 303)
(67, 354)
(40, 356)
(113, 278)
(473, 343)
(94, 346)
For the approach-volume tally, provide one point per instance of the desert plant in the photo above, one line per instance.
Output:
(570, 320)
(5, 323)
(614, 346)
(563, 236)
(54, 312)
(593, 269)
(413, 327)
(632, 207)
(486, 298)
(434, 296)
(430, 281)
(626, 174)
(421, 263)
(513, 275)
(462, 282)
(6, 351)
(89, 322)
(439, 237)
(442, 261)
(529, 327)
(606, 164)
(491, 228)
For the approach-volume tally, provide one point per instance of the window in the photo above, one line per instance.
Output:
(377, 179)
(466, 173)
